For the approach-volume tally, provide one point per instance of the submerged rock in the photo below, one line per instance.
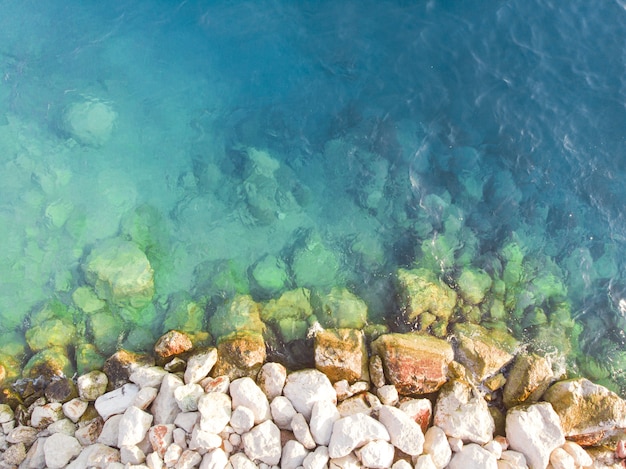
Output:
(341, 309)
(49, 363)
(289, 314)
(528, 380)
(90, 121)
(120, 273)
(239, 315)
(414, 363)
(474, 285)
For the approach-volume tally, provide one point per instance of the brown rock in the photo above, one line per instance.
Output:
(341, 355)
(48, 364)
(119, 366)
(484, 352)
(529, 378)
(172, 343)
(377, 373)
(413, 362)
(240, 354)
(587, 411)
(88, 432)
(61, 390)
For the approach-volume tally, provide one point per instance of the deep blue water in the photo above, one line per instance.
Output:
(389, 121)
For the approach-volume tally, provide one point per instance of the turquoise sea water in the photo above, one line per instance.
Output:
(373, 134)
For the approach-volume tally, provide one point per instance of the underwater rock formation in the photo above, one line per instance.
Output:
(89, 121)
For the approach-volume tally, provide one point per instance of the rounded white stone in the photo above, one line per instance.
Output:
(388, 394)
(242, 419)
(282, 412)
(317, 459)
(133, 426)
(92, 385)
(271, 379)
(215, 411)
(148, 376)
(354, 431)
(293, 455)
(304, 388)
(187, 396)
(473, 456)
(262, 443)
(323, 416)
(436, 445)
(405, 433)
(301, 431)
(59, 449)
(376, 454)
(200, 365)
(241, 461)
(581, 457)
(215, 459)
(244, 391)
(116, 401)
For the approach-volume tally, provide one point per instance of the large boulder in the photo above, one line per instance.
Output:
(89, 121)
(289, 313)
(484, 352)
(120, 273)
(587, 411)
(415, 363)
(240, 354)
(341, 354)
(528, 380)
(239, 315)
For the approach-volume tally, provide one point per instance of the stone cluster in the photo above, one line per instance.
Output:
(413, 402)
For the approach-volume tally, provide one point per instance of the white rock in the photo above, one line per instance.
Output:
(59, 449)
(514, 459)
(347, 462)
(204, 441)
(494, 448)
(154, 461)
(262, 443)
(405, 433)
(44, 415)
(242, 419)
(271, 379)
(74, 409)
(200, 365)
(282, 412)
(110, 431)
(235, 440)
(473, 456)
(87, 433)
(388, 394)
(245, 392)
(187, 420)
(376, 454)
(145, 397)
(215, 411)
(401, 464)
(187, 396)
(97, 455)
(463, 413)
(304, 388)
(172, 455)
(117, 401)
(62, 426)
(131, 455)
(581, 457)
(160, 437)
(133, 427)
(165, 408)
(148, 376)
(241, 461)
(354, 405)
(215, 459)
(425, 461)
(436, 445)
(89, 121)
(6, 413)
(354, 431)
(456, 444)
(417, 408)
(92, 385)
(317, 459)
(561, 459)
(35, 458)
(22, 434)
(323, 416)
(188, 460)
(293, 455)
(301, 431)
(534, 431)
(219, 384)
(180, 437)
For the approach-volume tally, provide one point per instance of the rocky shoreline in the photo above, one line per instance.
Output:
(403, 400)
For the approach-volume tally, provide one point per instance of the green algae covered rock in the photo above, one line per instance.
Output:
(289, 314)
(106, 331)
(420, 291)
(240, 314)
(120, 273)
(87, 358)
(50, 333)
(183, 313)
(270, 273)
(49, 363)
(341, 309)
(314, 265)
(438, 253)
(240, 354)
(87, 300)
(146, 227)
(473, 285)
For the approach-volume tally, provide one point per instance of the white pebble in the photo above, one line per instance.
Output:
(388, 394)
(301, 431)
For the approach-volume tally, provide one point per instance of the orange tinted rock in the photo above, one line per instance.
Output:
(415, 363)
(341, 354)
(172, 343)
(240, 354)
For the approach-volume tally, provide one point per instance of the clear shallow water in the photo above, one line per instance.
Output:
(428, 134)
